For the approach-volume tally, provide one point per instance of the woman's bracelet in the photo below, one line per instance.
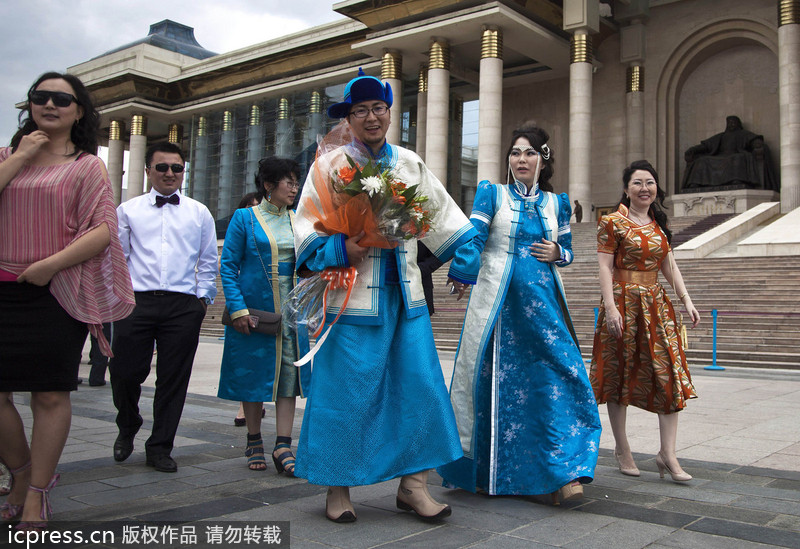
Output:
(685, 294)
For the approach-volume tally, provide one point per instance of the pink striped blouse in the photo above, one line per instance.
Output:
(46, 208)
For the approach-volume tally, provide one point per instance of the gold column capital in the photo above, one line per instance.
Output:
(283, 109)
(391, 65)
(316, 102)
(227, 121)
(138, 124)
(634, 79)
(175, 134)
(115, 130)
(255, 115)
(580, 50)
(491, 43)
(788, 12)
(439, 55)
(422, 81)
(202, 126)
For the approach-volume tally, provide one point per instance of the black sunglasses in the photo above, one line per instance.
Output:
(176, 168)
(60, 99)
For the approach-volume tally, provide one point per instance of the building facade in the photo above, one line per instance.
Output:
(611, 82)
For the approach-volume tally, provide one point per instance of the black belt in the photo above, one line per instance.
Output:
(160, 292)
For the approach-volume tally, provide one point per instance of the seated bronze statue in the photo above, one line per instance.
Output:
(734, 159)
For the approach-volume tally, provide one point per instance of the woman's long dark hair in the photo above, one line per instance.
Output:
(536, 137)
(657, 207)
(84, 131)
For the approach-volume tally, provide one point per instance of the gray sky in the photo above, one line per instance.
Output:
(42, 35)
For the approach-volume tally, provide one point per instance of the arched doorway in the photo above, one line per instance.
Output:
(716, 70)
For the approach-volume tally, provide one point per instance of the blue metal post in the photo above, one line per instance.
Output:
(713, 365)
(596, 313)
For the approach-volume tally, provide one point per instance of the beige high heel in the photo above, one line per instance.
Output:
(630, 471)
(682, 476)
(337, 505)
(569, 492)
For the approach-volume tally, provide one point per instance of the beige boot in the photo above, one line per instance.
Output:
(413, 495)
(337, 505)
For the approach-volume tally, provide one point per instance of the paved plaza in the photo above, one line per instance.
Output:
(740, 440)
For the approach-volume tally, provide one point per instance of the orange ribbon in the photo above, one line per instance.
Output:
(338, 278)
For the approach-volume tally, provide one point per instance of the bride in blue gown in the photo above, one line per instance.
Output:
(526, 414)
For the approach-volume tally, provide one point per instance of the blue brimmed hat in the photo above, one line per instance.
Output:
(361, 88)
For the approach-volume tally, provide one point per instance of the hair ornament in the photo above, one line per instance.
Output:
(545, 152)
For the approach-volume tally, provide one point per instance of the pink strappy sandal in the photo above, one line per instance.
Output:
(47, 508)
(9, 511)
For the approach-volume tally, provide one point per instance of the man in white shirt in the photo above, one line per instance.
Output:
(170, 244)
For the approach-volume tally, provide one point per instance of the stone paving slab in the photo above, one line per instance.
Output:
(749, 532)
(685, 539)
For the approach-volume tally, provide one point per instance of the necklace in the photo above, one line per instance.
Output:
(638, 218)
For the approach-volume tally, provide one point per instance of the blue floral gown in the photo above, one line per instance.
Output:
(525, 409)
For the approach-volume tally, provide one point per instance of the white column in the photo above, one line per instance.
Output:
(490, 104)
(316, 122)
(438, 109)
(283, 130)
(392, 74)
(422, 110)
(580, 119)
(634, 116)
(255, 148)
(138, 149)
(199, 166)
(789, 101)
(116, 153)
(227, 156)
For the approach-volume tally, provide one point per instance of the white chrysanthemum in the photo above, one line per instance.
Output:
(372, 185)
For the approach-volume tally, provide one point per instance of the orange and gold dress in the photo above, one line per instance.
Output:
(647, 367)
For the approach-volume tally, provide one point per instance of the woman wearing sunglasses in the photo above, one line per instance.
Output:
(62, 272)
(523, 403)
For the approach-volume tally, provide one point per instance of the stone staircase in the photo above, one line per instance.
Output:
(758, 303)
(698, 228)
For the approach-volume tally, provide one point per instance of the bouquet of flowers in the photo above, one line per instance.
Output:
(398, 209)
(355, 193)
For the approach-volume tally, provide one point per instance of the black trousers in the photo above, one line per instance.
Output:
(98, 360)
(172, 322)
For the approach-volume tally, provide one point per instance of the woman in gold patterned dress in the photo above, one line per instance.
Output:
(637, 357)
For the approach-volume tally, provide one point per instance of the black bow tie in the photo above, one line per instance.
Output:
(172, 199)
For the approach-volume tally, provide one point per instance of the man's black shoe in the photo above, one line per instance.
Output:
(162, 463)
(123, 447)
(96, 383)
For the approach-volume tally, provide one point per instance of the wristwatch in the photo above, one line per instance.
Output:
(207, 300)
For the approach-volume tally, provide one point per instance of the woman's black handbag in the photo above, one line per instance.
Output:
(267, 323)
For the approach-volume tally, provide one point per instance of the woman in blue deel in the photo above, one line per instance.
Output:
(258, 271)
(526, 414)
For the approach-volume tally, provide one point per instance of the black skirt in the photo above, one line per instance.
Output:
(40, 343)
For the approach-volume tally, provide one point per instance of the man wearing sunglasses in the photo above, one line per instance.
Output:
(170, 244)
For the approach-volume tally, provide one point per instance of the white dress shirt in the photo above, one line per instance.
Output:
(172, 248)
